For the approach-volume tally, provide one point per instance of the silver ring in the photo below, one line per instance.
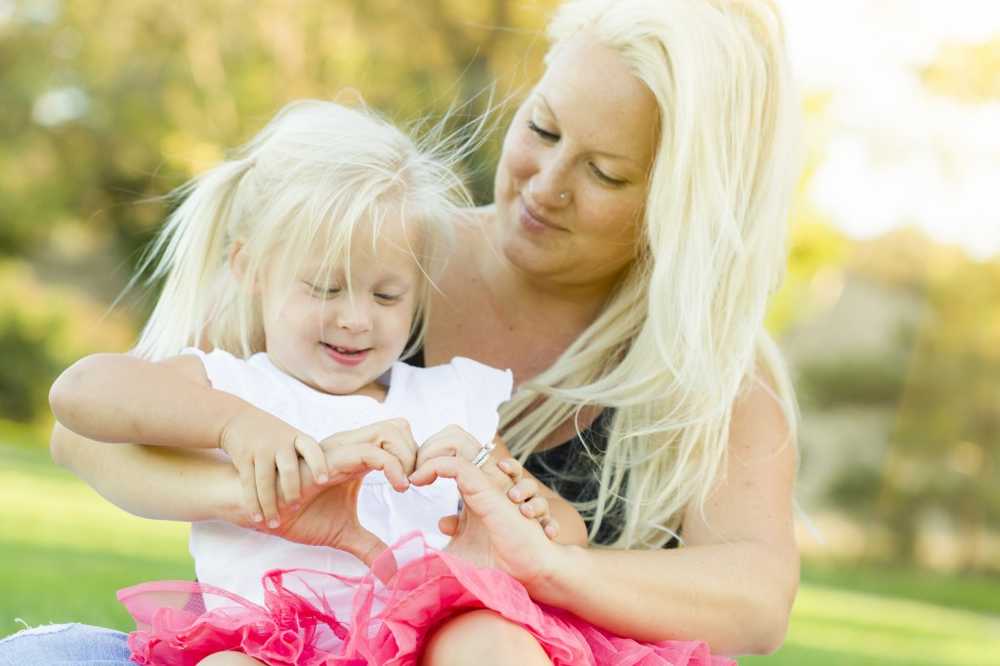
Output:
(484, 454)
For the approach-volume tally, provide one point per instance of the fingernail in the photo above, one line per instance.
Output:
(504, 465)
(323, 478)
(514, 494)
(272, 524)
(257, 517)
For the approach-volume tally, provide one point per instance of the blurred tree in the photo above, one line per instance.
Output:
(943, 455)
(105, 106)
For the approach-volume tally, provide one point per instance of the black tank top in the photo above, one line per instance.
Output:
(570, 471)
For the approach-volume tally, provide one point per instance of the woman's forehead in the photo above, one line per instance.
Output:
(597, 98)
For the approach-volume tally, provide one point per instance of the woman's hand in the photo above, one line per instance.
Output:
(453, 441)
(492, 530)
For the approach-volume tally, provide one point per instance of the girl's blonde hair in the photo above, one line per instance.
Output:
(683, 335)
(315, 176)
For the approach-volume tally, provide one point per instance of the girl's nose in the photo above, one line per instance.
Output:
(354, 316)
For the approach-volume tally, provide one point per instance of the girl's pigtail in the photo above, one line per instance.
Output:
(190, 256)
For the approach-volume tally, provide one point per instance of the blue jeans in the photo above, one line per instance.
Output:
(65, 645)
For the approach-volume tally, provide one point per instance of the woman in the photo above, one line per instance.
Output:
(636, 234)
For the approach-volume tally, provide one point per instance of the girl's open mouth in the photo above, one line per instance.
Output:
(345, 355)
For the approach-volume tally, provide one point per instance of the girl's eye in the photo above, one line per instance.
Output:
(323, 292)
(542, 133)
(387, 298)
(614, 182)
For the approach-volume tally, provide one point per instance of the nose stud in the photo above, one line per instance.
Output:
(563, 196)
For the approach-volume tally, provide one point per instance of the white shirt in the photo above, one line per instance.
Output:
(463, 392)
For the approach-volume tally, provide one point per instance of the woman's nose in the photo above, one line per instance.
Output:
(549, 187)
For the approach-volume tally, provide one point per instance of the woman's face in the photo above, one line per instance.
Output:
(572, 180)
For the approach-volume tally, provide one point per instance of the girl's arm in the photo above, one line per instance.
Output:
(732, 584)
(120, 398)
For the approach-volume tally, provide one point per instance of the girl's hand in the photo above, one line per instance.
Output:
(451, 441)
(492, 530)
(266, 451)
(392, 436)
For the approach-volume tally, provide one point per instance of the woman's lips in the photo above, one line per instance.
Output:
(345, 355)
(534, 222)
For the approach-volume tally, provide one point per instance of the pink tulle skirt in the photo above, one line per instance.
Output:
(388, 625)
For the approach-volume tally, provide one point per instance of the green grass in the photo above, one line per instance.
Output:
(64, 551)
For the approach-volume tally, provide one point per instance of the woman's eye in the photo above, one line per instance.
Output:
(387, 298)
(615, 182)
(544, 134)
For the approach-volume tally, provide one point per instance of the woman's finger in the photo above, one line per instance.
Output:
(264, 473)
(523, 490)
(511, 468)
(536, 507)
(310, 451)
(550, 526)
(470, 478)
(448, 525)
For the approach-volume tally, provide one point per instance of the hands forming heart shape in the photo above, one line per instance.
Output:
(492, 529)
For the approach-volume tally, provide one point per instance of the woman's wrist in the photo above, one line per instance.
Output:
(560, 576)
(225, 496)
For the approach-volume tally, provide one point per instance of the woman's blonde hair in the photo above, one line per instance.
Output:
(683, 335)
(318, 174)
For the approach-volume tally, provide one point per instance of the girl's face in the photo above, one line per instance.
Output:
(572, 181)
(340, 343)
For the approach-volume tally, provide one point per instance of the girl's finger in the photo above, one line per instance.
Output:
(399, 447)
(435, 447)
(312, 453)
(359, 458)
(264, 473)
(249, 488)
(288, 475)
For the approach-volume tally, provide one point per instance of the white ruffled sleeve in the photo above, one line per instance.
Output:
(225, 371)
(484, 388)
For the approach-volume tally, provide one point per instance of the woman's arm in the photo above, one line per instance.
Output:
(120, 398)
(154, 481)
(732, 584)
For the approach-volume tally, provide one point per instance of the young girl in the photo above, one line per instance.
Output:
(304, 266)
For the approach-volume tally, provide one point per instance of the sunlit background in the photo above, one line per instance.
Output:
(890, 313)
